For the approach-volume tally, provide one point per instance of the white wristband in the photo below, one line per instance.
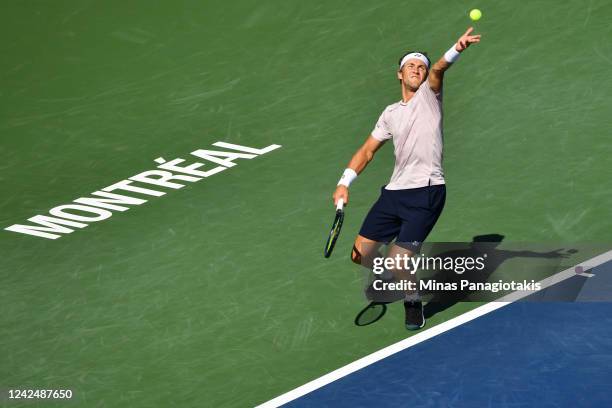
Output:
(347, 177)
(451, 55)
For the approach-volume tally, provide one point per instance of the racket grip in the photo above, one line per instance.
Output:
(340, 204)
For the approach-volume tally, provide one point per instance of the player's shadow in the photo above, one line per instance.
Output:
(481, 245)
(440, 301)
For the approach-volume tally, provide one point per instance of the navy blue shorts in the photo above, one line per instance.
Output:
(408, 215)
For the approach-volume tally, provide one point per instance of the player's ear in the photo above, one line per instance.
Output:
(399, 74)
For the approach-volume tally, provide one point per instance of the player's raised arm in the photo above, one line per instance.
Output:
(436, 74)
(358, 163)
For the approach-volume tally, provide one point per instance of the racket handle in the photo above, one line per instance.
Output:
(340, 204)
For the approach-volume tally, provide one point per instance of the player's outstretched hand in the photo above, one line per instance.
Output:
(466, 39)
(341, 192)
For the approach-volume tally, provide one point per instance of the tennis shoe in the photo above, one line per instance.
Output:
(415, 318)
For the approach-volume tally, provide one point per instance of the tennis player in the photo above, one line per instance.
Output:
(410, 204)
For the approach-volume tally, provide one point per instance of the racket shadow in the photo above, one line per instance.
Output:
(372, 313)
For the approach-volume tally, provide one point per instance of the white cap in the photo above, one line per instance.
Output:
(416, 55)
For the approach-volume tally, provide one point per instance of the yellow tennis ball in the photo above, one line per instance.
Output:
(475, 14)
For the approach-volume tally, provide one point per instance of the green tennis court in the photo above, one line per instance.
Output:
(217, 294)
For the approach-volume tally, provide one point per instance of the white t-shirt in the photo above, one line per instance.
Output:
(416, 129)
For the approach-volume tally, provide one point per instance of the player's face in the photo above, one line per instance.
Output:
(413, 73)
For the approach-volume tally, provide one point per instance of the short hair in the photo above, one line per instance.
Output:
(410, 52)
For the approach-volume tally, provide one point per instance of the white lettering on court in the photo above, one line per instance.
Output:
(100, 205)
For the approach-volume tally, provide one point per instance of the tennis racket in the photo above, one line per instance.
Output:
(335, 229)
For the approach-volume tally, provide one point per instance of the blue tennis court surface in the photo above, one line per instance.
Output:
(522, 355)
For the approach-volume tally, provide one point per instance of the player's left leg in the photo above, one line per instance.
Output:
(379, 227)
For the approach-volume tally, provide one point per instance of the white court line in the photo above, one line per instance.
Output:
(429, 333)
